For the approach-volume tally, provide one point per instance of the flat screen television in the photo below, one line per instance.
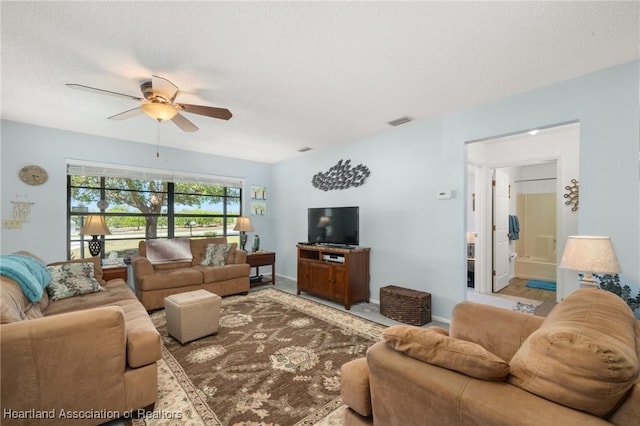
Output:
(334, 225)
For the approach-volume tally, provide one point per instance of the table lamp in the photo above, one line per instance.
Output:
(243, 225)
(590, 254)
(471, 244)
(95, 226)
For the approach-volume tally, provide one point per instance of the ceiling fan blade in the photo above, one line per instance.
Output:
(184, 124)
(221, 113)
(103, 91)
(163, 87)
(126, 114)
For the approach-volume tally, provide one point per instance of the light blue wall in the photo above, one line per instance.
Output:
(418, 241)
(45, 235)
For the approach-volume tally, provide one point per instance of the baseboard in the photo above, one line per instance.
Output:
(377, 302)
(441, 319)
(287, 277)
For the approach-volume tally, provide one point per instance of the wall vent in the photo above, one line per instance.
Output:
(399, 121)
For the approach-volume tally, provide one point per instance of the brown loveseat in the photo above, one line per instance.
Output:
(578, 366)
(92, 356)
(156, 281)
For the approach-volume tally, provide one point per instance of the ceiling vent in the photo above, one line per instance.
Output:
(305, 149)
(400, 121)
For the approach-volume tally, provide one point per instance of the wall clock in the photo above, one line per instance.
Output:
(33, 175)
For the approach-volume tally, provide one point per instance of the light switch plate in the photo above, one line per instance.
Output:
(445, 195)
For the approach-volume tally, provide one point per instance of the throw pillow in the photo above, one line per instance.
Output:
(583, 355)
(199, 247)
(72, 279)
(216, 255)
(97, 266)
(434, 347)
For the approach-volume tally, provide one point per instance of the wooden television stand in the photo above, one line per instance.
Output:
(339, 274)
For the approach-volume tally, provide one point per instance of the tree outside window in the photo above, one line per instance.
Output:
(137, 209)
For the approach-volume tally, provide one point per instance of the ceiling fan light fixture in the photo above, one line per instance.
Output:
(158, 103)
(159, 111)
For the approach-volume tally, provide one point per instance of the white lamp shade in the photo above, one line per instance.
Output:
(159, 111)
(95, 225)
(591, 254)
(243, 224)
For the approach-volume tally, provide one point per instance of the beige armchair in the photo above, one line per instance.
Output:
(578, 366)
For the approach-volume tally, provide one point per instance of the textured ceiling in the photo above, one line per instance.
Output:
(294, 74)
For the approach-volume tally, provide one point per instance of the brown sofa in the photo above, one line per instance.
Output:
(578, 366)
(154, 282)
(91, 356)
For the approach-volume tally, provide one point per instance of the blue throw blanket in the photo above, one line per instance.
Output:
(30, 274)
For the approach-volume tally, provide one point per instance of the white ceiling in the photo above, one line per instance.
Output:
(294, 74)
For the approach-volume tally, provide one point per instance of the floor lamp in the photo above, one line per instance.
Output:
(590, 255)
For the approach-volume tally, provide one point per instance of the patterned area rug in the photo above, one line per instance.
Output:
(275, 361)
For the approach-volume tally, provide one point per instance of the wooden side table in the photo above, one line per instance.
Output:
(113, 272)
(262, 258)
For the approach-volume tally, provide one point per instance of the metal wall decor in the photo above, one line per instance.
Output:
(573, 196)
(341, 176)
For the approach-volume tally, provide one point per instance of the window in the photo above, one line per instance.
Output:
(141, 204)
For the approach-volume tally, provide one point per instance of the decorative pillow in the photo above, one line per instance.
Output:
(168, 251)
(436, 348)
(216, 255)
(97, 266)
(72, 279)
(199, 247)
(583, 355)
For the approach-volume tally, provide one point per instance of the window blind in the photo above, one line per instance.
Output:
(87, 168)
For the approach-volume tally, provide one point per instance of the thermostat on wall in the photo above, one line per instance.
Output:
(445, 195)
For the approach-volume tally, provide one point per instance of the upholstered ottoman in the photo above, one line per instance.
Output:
(192, 315)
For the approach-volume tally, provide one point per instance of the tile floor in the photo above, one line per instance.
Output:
(499, 300)
(370, 311)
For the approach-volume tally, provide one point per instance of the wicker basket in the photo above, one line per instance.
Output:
(405, 305)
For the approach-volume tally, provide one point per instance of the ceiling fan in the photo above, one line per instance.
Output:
(158, 102)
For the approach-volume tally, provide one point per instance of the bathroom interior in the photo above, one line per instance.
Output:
(533, 170)
(537, 244)
(533, 249)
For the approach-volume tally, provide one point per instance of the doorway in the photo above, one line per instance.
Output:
(521, 177)
(525, 222)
